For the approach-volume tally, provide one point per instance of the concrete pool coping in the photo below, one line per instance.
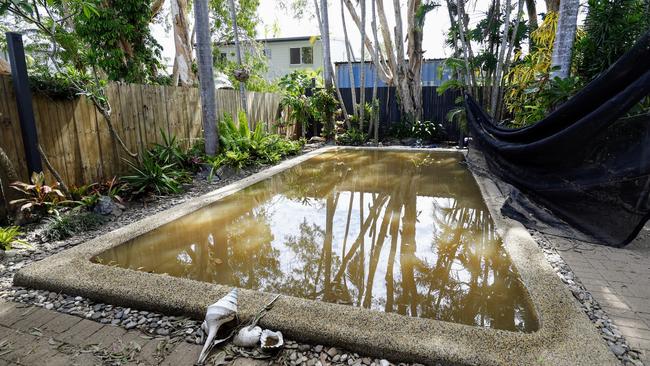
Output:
(565, 335)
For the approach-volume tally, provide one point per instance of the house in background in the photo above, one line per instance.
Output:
(285, 55)
(433, 73)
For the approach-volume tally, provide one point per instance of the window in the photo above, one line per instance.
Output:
(303, 55)
(294, 56)
(307, 55)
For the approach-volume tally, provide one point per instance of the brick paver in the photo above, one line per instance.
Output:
(33, 336)
(619, 279)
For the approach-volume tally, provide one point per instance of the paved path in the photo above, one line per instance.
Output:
(619, 279)
(31, 335)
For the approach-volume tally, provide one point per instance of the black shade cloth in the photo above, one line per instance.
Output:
(585, 162)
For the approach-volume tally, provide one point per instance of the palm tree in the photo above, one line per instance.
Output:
(564, 37)
(206, 76)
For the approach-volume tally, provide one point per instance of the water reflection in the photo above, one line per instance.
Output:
(393, 231)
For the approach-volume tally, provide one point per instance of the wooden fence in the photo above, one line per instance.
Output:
(76, 138)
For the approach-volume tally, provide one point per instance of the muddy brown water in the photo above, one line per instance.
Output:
(401, 232)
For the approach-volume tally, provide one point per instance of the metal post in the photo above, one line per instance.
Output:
(24, 101)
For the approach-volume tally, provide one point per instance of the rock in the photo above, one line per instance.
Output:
(162, 331)
(304, 347)
(618, 350)
(130, 325)
(384, 363)
(409, 141)
(316, 140)
(105, 206)
(226, 172)
(2, 253)
(333, 352)
(11, 253)
(49, 306)
(318, 348)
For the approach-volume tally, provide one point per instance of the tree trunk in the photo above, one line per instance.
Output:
(496, 83)
(375, 104)
(7, 194)
(362, 73)
(564, 38)
(552, 5)
(385, 71)
(416, 16)
(242, 88)
(328, 61)
(325, 39)
(532, 22)
(348, 52)
(467, 46)
(206, 76)
(182, 73)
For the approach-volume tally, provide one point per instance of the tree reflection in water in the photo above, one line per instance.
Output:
(399, 232)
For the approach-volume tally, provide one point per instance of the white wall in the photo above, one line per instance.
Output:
(279, 64)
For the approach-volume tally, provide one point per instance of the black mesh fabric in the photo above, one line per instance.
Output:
(586, 162)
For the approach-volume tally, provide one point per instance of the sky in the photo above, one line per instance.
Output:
(436, 25)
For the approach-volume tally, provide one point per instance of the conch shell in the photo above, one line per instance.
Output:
(248, 336)
(271, 340)
(217, 314)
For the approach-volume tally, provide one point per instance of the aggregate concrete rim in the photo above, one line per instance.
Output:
(565, 335)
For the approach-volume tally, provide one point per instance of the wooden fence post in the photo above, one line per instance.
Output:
(24, 101)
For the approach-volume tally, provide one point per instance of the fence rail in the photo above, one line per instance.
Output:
(76, 138)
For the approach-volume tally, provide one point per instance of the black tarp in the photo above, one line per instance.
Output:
(587, 162)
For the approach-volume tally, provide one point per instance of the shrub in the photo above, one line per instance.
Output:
(171, 152)
(150, 177)
(400, 130)
(241, 147)
(351, 137)
(9, 238)
(60, 227)
(88, 195)
(611, 28)
(39, 197)
(428, 131)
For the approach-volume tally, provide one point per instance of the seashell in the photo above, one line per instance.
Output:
(217, 314)
(271, 340)
(248, 337)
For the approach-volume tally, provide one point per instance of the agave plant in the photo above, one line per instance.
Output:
(38, 196)
(150, 177)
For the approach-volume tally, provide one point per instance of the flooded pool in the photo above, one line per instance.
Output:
(393, 231)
